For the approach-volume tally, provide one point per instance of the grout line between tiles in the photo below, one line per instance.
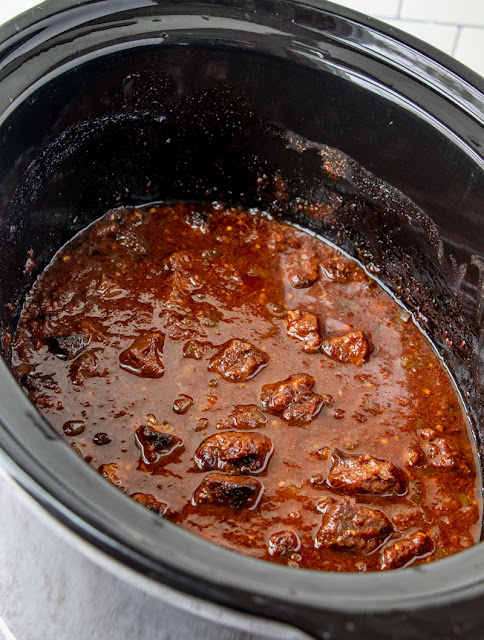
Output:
(456, 40)
(432, 22)
(399, 10)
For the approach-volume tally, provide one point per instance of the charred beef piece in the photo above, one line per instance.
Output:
(354, 347)
(347, 525)
(144, 356)
(236, 492)
(404, 551)
(292, 399)
(233, 451)
(304, 326)
(247, 416)
(151, 503)
(86, 366)
(283, 543)
(238, 360)
(364, 474)
(302, 267)
(68, 347)
(155, 446)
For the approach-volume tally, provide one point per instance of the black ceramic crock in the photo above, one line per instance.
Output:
(106, 103)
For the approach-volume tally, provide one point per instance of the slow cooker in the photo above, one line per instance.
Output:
(106, 103)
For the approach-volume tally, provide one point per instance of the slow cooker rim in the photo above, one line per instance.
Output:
(38, 487)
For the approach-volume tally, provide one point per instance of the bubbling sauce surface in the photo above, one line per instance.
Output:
(249, 382)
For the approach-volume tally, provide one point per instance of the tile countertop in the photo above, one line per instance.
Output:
(454, 26)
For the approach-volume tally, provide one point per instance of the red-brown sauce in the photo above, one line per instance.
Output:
(249, 382)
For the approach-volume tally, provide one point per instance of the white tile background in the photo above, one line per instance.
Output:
(454, 26)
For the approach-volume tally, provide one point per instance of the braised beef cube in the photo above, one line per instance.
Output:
(238, 360)
(144, 356)
(292, 399)
(283, 543)
(182, 261)
(443, 454)
(247, 416)
(68, 347)
(182, 404)
(401, 553)
(151, 503)
(342, 270)
(302, 267)
(86, 365)
(354, 347)
(233, 451)
(347, 525)
(156, 446)
(304, 326)
(236, 492)
(364, 474)
(195, 349)
(302, 410)
(278, 396)
(110, 471)
(415, 456)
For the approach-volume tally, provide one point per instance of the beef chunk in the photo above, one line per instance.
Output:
(415, 456)
(292, 399)
(303, 325)
(354, 347)
(144, 356)
(233, 451)
(364, 474)
(110, 471)
(182, 261)
(347, 525)
(282, 543)
(247, 416)
(86, 366)
(68, 347)
(182, 404)
(237, 492)
(151, 503)
(443, 454)
(195, 349)
(238, 361)
(342, 270)
(154, 445)
(404, 551)
(302, 267)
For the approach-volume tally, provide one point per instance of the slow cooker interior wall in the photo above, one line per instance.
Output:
(206, 123)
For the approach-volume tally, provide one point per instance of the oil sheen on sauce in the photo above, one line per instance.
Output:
(250, 383)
